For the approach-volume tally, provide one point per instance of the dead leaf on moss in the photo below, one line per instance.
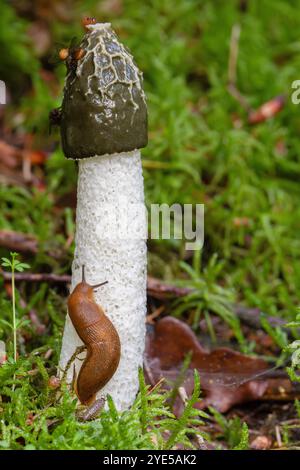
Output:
(227, 376)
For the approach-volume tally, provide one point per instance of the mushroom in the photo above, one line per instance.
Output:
(103, 126)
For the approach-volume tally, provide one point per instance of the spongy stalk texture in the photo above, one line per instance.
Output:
(111, 242)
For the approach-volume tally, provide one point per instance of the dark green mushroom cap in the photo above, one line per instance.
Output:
(104, 108)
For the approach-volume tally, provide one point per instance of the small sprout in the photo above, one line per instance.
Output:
(15, 265)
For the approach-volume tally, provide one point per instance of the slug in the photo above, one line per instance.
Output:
(99, 336)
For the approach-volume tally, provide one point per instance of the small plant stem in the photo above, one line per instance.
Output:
(232, 68)
(14, 310)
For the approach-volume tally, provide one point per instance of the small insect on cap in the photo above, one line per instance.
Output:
(104, 106)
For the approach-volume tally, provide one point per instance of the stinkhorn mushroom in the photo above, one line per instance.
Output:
(103, 126)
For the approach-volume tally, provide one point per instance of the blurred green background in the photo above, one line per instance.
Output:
(201, 147)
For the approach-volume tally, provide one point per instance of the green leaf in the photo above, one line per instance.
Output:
(19, 268)
(5, 262)
(23, 265)
(20, 323)
(6, 323)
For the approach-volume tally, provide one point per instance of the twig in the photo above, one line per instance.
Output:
(48, 354)
(251, 317)
(18, 241)
(158, 384)
(26, 167)
(278, 436)
(156, 288)
(160, 290)
(180, 378)
(233, 53)
(232, 68)
(265, 111)
(155, 314)
(39, 277)
(148, 371)
(183, 395)
(233, 90)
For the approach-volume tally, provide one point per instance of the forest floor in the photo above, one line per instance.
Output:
(224, 132)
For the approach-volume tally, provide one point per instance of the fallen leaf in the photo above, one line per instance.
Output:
(227, 377)
(37, 277)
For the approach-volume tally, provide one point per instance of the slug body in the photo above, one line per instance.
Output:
(101, 339)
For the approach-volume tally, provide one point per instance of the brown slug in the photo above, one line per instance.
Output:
(99, 336)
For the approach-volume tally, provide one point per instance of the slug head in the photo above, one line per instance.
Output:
(87, 289)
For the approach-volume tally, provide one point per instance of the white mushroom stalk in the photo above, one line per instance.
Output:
(104, 123)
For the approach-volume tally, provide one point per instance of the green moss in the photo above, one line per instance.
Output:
(201, 150)
(34, 416)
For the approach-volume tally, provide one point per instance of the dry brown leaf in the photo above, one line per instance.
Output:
(227, 377)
